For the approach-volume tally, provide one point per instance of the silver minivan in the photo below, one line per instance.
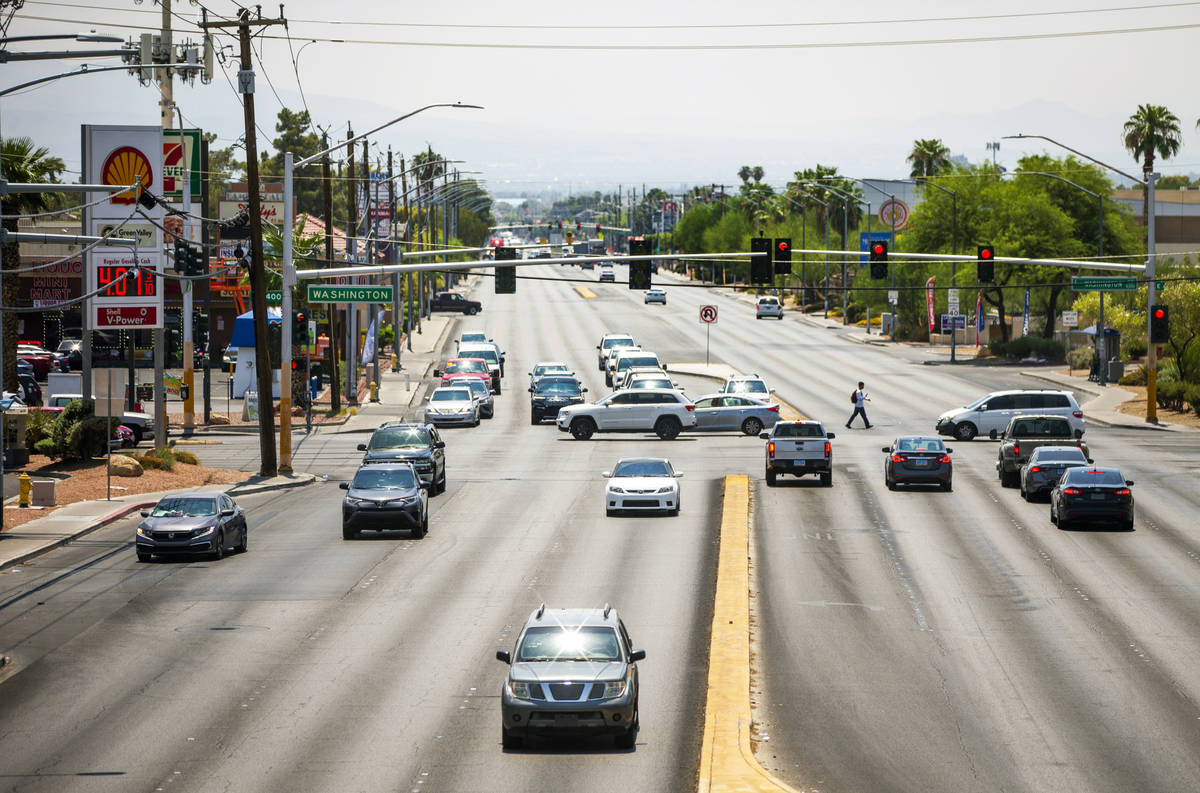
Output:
(993, 411)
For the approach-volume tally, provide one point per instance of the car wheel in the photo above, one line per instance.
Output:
(667, 428)
(510, 741)
(947, 486)
(144, 557)
(608, 380)
(218, 550)
(826, 480)
(472, 311)
(348, 533)
(752, 426)
(770, 478)
(441, 486)
(582, 429)
(137, 435)
(627, 739)
(1008, 478)
(1053, 514)
(1128, 525)
(419, 531)
(535, 417)
(965, 431)
(678, 506)
(241, 546)
(891, 483)
(1024, 493)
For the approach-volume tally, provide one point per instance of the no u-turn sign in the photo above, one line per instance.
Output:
(708, 314)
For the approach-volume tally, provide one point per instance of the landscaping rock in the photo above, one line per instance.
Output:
(124, 466)
(218, 420)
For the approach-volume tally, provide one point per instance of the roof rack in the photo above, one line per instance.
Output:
(541, 610)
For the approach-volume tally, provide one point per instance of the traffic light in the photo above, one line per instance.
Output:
(1160, 333)
(639, 272)
(560, 224)
(985, 266)
(878, 256)
(761, 269)
(197, 260)
(506, 275)
(783, 256)
(597, 228)
(578, 225)
(299, 328)
(182, 256)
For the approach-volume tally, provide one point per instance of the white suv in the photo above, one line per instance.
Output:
(768, 306)
(627, 359)
(610, 340)
(665, 412)
(746, 384)
(993, 412)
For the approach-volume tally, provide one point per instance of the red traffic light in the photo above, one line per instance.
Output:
(877, 248)
(985, 252)
(1159, 313)
(783, 245)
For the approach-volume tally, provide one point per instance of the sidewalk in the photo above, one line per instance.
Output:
(1102, 407)
(75, 520)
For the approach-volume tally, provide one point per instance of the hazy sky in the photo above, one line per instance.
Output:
(667, 95)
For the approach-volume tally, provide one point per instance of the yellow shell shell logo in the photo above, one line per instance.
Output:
(127, 165)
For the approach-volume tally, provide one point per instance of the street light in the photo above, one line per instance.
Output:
(1148, 181)
(289, 272)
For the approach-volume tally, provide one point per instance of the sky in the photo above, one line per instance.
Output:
(668, 94)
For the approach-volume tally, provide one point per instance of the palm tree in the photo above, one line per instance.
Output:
(929, 156)
(1151, 130)
(23, 161)
(744, 173)
(757, 172)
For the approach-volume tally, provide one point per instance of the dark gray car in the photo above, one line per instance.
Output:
(191, 523)
(735, 412)
(1045, 466)
(917, 460)
(573, 671)
(550, 393)
(419, 444)
(385, 497)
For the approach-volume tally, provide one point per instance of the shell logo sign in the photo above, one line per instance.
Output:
(127, 165)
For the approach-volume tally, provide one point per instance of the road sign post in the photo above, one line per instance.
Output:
(708, 316)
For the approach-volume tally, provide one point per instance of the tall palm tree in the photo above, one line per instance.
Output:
(744, 173)
(1151, 130)
(757, 172)
(22, 161)
(929, 156)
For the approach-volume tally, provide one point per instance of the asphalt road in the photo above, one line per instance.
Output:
(906, 641)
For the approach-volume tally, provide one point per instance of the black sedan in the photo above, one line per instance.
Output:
(552, 392)
(917, 460)
(191, 523)
(1092, 494)
(1047, 463)
(385, 497)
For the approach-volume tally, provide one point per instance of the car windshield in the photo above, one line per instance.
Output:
(1071, 455)
(487, 354)
(646, 382)
(637, 360)
(475, 384)
(194, 507)
(799, 431)
(414, 438)
(920, 445)
(476, 366)
(470, 337)
(569, 643)
(376, 478)
(550, 367)
(451, 395)
(977, 402)
(610, 343)
(642, 468)
(1092, 476)
(557, 386)
(746, 387)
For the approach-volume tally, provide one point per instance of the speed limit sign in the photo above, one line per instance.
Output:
(708, 314)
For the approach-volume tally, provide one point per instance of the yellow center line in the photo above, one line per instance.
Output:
(584, 292)
(727, 762)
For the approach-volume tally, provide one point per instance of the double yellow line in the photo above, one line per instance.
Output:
(727, 762)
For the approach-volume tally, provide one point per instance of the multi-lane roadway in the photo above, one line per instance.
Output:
(904, 641)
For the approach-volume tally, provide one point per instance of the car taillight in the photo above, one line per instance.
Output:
(1033, 469)
(896, 458)
(773, 408)
(771, 449)
(945, 458)
(828, 449)
(1078, 414)
(1123, 491)
(1072, 491)
(691, 407)
(1017, 449)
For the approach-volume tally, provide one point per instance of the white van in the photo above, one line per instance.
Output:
(993, 411)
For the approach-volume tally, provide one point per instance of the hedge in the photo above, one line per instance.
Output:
(1029, 346)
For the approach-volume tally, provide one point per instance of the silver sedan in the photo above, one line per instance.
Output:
(730, 412)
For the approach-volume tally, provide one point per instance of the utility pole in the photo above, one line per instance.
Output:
(408, 234)
(166, 105)
(352, 254)
(335, 394)
(258, 286)
(392, 260)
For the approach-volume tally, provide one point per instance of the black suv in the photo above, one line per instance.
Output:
(419, 444)
(550, 393)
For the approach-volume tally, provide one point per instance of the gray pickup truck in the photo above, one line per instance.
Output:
(799, 448)
(1026, 433)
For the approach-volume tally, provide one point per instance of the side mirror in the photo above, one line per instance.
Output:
(344, 485)
(637, 655)
(440, 445)
(949, 451)
(530, 389)
(1090, 460)
(886, 449)
(606, 474)
(1078, 434)
(992, 434)
(225, 513)
(830, 436)
(362, 447)
(502, 655)
(1129, 482)
(764, 435)
(145, 513)
(678, 474)
(583, 390)
(421, 483)
(437, 372)
(771, 391)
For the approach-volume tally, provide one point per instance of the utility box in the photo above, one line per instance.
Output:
(43, 493)
(887, 323)
(1116, 370)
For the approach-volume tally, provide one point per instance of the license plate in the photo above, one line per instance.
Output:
(1096, 496)
(919, 463)
(566, 719)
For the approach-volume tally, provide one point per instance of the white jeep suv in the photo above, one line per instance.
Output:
(663, 411)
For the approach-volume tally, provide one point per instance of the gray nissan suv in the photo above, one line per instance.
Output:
(573, 672)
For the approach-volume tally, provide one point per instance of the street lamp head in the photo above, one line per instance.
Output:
(98, 38)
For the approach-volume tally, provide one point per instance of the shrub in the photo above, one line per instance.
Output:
(89, 437)
(1192, 396)
(1135, 377)
(1170, 395)
(1080, 358)
(187, 458)
(45, 446)
(1026, 346)
(164, 458)
(39, 426)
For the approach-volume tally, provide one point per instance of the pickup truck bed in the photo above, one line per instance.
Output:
(1026, 433)
(798, 448)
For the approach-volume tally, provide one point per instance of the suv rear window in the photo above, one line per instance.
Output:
(636, 360)
(1048, 428)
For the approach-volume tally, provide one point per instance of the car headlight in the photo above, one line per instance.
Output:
(518, 689)
(613, 688)
(350, 501)
(143, 531)
(666, 489)
(615, 489)
(206, 530)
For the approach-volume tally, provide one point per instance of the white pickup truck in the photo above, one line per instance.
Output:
(799, 448)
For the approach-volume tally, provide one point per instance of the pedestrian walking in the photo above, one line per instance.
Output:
(858, 397)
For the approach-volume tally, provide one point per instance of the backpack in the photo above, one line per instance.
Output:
(854, 397)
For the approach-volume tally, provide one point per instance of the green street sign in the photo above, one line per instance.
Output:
(1085, 283)
(274, 296)
(1159, 286)
(325, 293)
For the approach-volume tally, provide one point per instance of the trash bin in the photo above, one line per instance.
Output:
(1116, 370)
(315, 386)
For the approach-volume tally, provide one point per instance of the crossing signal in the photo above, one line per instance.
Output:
(783, 256)
(1160, 332)
(985, 266)
(878, 256)
(639, 271)
(506, 275)
(761, 269)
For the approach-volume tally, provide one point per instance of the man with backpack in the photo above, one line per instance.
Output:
(857, 398)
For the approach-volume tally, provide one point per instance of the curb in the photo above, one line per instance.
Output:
(300, 480)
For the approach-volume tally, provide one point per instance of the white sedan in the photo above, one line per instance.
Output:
(642, 484)
(452, 405)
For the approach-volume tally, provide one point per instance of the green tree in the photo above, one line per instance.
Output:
(929, 157)
(296, 136)
(758, 173)
(816, 182)
(689, 233)
(744, 173)
(22, 161)
(1152, 130)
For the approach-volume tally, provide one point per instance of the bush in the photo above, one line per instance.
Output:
(1030, 346)
(1136, 377)
(39, 426)
(163, 458)
(1080, 358)
(1192, 397)
(1171, 395)
(187, 458)
(89, 437)
(45, 446)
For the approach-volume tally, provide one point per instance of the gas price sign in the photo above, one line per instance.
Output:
(118, 281)
(130, 294)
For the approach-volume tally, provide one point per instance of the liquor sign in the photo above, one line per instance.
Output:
(122, 155)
